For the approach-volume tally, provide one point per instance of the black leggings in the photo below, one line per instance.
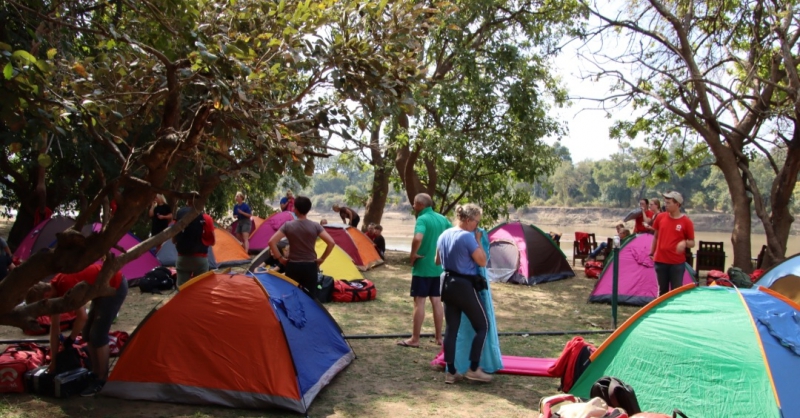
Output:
(459, 295)
(305, 273)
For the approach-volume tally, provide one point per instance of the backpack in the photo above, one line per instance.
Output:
(739, 278)
(354, 291)
(324, 288)
(616, 393)
(194, 238)
(156, 280)
(17, 360)
(208, 238)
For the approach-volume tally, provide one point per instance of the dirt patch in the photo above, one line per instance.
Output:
(608, 217)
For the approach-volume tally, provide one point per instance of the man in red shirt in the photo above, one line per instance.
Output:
(674, 233)
(639, 227)
(94, 326)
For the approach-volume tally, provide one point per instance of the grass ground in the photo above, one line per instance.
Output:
(385, 379)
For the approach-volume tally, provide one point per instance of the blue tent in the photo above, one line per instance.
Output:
(790, 266)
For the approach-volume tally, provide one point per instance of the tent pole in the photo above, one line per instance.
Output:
(380, 336)
(501, 334)
(615, 283)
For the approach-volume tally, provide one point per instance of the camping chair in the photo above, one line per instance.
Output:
(759, 260)
(584, 244)
(606, 251)
(710, 256)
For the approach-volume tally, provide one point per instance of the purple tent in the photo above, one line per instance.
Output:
(540, 258)
(637, 284)
(136, 269)
(259, 240)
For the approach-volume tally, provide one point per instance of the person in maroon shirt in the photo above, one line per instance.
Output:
(94, 326)
(674, 233)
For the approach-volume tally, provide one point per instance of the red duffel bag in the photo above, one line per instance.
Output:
(15, 361)
(354, 290)
(593, 269)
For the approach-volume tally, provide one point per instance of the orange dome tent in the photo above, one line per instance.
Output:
(276, 347)
(357, 245)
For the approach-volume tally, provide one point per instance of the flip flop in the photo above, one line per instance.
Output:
(405, 344)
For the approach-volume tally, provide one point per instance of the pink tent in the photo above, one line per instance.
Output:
(259, 240)
(137, 268)
(637, 283)
(42, 236)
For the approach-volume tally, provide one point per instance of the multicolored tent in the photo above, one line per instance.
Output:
(637, 283)
(784, 278)
(539, 259)
(708, 351)
(259, 239)
(277, 348)
(226, 251)
(356, 244)
(338, 264)
(42, 236)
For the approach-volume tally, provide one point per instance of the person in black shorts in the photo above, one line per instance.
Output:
(425, 273)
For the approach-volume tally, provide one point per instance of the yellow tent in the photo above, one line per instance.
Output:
(338, 265)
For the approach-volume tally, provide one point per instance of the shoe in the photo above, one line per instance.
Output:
(452, 378)
(93, 388)
(478, 375)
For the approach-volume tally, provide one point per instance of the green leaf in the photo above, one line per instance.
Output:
(8, 71)
(44, 160)
(24, 55)
(5, 47)
(208, 57)
(51, 53)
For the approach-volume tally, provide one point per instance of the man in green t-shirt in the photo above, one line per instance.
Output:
(425, 273)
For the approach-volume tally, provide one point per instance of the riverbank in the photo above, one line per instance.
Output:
(590, 218)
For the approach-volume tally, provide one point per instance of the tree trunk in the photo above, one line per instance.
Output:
(380, 181)
(780, 199)
(740, 201)
(22, 224)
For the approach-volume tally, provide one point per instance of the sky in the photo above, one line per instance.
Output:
(587, 138)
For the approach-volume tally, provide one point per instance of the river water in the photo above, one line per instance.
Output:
(401, 241)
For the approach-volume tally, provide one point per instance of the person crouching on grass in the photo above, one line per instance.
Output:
(94, 326)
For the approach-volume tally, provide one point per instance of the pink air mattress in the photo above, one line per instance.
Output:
(526, 366)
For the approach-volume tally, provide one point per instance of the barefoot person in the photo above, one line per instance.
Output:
(94, 327)
(461, 254)
(674, 233)
(425, 273)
